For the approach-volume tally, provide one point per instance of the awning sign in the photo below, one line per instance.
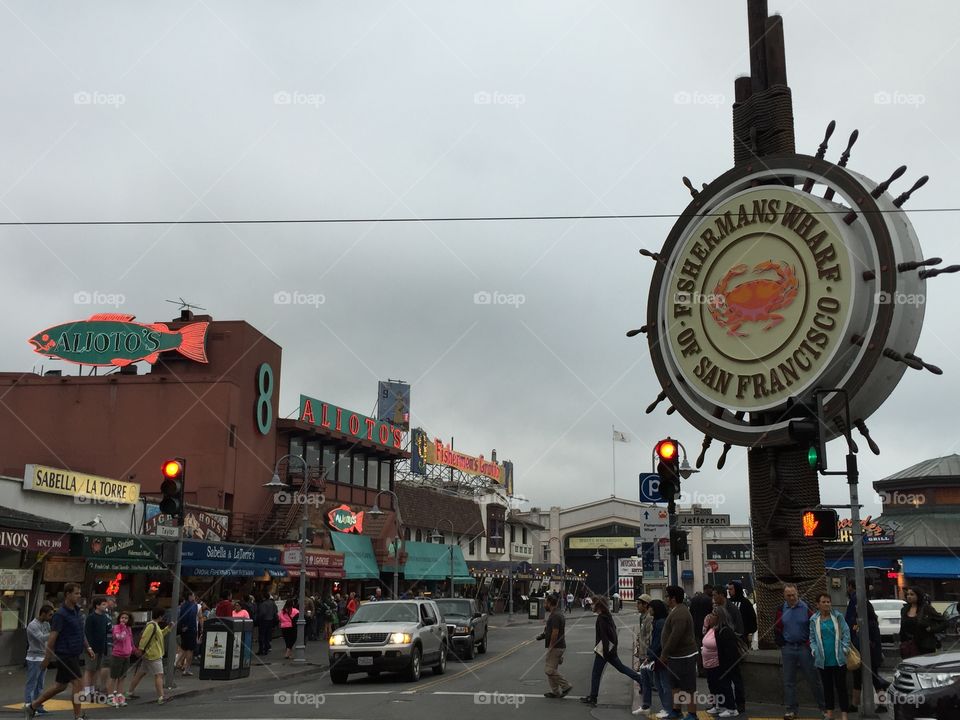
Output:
(41, 478)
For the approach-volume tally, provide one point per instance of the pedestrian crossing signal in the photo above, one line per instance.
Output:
(819, 524)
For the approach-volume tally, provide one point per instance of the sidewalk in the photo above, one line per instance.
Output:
(265, 669)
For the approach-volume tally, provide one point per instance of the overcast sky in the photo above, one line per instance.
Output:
(417, 108)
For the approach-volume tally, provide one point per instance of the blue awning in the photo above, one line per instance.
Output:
(212, 568)
(944, 567)
(846, 563)
(359, 562)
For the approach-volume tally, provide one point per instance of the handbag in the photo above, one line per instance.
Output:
(853, 658)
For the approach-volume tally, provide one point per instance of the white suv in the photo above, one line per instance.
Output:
(391, 635)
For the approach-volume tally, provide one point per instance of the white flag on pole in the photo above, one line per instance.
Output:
(620, 437)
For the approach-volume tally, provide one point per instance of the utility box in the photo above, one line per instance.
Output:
(227, 648)
(535, 609)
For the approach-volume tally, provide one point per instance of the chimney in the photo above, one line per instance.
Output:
(186, 315)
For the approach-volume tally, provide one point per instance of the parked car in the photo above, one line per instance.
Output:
(393, 636)
(927, 686)
(466, 626)
(888, 615)
(952, 615)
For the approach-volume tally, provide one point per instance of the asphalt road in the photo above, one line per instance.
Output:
(507, 679)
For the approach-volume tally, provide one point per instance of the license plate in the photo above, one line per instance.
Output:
(364, 661)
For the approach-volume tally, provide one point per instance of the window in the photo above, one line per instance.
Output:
(312, 457)
(524, 538)
(343, 468)
(373, 472)
(359, 470)
(473, 547)
(330, 462)
(406, 533)
(728, 552)
(419, 535)
(233, 436)
(296, 446)
(513, 533)
(385, 467)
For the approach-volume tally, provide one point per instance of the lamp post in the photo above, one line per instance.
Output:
(398, 544)
(597, 557)
(299, 650)
(437, 536)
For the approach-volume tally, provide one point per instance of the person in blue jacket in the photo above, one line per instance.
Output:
(829, 643)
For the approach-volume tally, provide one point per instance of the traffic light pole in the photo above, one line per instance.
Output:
(674, 560)
(175, 614)
(852, 472)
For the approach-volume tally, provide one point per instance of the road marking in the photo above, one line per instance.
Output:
(495, 692)
(470, 669)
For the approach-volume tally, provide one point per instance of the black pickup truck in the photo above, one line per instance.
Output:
(466, 626)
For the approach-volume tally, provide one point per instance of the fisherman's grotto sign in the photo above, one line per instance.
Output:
(760, 294)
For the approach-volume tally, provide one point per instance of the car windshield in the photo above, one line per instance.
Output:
(385, 612)
(456, 607)
(879, 605)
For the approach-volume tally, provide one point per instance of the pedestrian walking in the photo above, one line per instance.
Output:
(829, 644)
(110, 613)
(679, 652)
(38, 630)
(748, 616)
(120, 653)
(876, 650)
(659, 671)
(791, 630)
(288, 627)
(95, 629)
(721, 658)
(188, 628)
(352, 605)
(310, 615)
(605, 650)
(569, 600)
(919, 625)
(151, 646)
(644, 637)
(266, 620)
(555, 643)
(65, 643)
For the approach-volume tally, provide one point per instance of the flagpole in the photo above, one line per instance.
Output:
(613, 447)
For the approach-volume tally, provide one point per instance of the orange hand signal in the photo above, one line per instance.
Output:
(810, 523)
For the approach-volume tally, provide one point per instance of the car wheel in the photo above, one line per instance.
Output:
(439, 668)
(338, 678)
(413, 671)
(483, 644)
(469, 650)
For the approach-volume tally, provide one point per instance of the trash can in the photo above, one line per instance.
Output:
(227, 648)
(535, 609)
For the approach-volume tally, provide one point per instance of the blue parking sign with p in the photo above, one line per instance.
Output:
(650, 488)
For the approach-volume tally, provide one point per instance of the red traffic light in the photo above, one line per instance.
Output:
(172, 469)
(667, 450)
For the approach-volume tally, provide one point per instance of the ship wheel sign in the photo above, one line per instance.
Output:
(785, 275)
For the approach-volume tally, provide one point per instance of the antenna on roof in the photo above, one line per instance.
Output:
(184, 305)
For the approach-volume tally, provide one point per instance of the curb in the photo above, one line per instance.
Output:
(312, 669)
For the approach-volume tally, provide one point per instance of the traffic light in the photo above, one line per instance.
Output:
(819, 524)
(806, 429)
(174, 477)
(668, 468)
(679, 545)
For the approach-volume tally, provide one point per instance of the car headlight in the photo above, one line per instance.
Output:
(401, 638)
(928, 681)
(338, 639)
(462, 629)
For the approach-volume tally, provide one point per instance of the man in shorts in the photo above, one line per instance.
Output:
(187, 628)
(679, 653)
(65, 644)
(152, 643)
(96, 630)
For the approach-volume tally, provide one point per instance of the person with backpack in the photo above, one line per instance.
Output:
(829, 644)
(791, 630)
(151, 646)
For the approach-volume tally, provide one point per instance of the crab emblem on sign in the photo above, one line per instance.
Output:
(753, 300)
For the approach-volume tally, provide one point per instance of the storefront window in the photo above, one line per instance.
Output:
(312, 457)
(13, 609)
(359, 470)
(385, 466)
(343, 468)
(373, 472)
(330, 462)
(419, 535)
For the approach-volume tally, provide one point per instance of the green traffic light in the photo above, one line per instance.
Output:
(813, 457)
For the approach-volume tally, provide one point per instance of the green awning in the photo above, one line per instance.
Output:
(431, 561)
(464, 580)
(359, 562)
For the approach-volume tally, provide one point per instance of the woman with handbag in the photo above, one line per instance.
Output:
(919, 625)
(830, 644)
(721, 657)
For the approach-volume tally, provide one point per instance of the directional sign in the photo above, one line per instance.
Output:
(655, 524)
(650, 488)
(702, 520)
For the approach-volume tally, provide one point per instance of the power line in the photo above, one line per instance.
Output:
(468, 218)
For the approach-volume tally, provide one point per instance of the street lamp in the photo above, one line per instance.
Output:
(398, 544)
(299, 650)
(437, 536)
(597, 557)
